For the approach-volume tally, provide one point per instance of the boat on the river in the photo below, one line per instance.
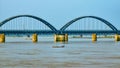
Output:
(60, 46)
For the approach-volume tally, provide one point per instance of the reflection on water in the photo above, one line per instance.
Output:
(77, 53)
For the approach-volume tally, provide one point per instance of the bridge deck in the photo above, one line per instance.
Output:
(70, 32)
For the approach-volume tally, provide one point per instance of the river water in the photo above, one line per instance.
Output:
(77, 53)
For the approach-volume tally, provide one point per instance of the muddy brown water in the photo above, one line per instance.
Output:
(77, 53)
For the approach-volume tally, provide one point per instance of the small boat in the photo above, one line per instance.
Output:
(58, 46)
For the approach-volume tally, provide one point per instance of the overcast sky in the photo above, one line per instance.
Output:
(59, 12)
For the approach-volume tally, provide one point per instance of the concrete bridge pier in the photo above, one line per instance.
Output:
(61, 37)
(94, 37)
(117, 37)
(2, 38)
(34, 38)
(66, 37)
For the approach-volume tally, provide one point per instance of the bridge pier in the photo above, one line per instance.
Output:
(2, 38)
(66, 37)
(34, 38)
(94, 37)
(61, 37)
(117, 38)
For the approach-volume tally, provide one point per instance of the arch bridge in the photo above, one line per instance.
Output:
(85, 25)
(26, 24)
(89, 25)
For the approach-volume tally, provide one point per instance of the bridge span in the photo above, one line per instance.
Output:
(49, 32)
(29, 24)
